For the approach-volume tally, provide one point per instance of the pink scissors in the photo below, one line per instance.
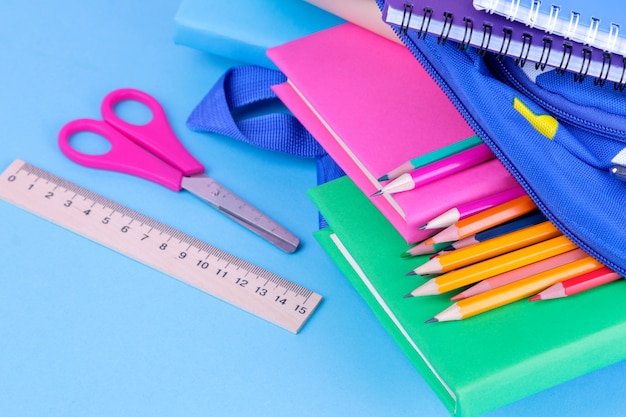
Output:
(153, 152)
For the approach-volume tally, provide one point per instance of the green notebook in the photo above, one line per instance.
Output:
(483, 362)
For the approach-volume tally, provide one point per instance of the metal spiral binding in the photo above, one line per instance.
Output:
(527, 40)
(606, 63)
(484, 43)
(467, 35)
(447, 25)
(507, 37)
(565, 58)
(584, 67)
(545, 53)
(406, 18)
(506, 42)
(428, 14)
(622, 81)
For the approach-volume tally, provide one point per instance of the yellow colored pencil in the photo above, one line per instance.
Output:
(488, 249)
(494, 266)
(515, 291)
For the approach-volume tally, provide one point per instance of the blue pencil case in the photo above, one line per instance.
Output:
(562, 136)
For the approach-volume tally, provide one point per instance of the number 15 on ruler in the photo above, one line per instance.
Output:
(162, 247)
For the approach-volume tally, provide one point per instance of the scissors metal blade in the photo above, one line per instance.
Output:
(239, 210)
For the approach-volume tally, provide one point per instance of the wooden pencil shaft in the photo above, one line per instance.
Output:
(497, 246)
(502, 229)
(522, 272)
(589, 280)
(437, 170)
(503, 263)
(433, 156)
(485, 220)
(525, 287)
(496, 215)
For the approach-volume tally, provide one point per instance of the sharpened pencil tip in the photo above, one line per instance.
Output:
(423, 227)
(379, 192)
(409, 295)
(535, 297)
(406, 255)
(432, 320)
(408, 274)
(384, 178)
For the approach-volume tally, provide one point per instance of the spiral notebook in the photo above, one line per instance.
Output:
(595, 23)
(459, 21)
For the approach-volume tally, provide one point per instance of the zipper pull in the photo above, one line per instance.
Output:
(619, 171)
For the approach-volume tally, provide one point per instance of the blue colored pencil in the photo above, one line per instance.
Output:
(530, 219)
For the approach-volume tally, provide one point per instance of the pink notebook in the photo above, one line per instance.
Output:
(372, 106)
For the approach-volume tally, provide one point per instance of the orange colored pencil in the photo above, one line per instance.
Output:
(488, 249)
(484, 220)
(494, 266)
(515, 291)
(520, 273)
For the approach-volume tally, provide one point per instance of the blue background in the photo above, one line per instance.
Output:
(85, 331)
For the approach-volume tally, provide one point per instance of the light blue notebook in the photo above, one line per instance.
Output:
(245, 30)
(600, 23)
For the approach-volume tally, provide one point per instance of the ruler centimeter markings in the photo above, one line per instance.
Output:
(159, 246)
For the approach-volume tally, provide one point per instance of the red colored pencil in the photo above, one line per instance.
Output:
(578, 284)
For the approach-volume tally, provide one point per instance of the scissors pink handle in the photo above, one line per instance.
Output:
(124, 156)
(135, 149)
(157, 135)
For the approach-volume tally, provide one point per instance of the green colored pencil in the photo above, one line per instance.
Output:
(431, 157)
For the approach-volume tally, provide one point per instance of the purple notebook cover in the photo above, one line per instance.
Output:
(459, 21)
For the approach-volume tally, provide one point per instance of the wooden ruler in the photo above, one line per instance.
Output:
(159, 246)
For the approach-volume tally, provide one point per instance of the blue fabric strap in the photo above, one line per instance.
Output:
(247, 87)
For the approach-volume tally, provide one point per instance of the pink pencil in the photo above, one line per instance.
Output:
(520, 273)
(436, 170)
(578, 284)
(465, 210)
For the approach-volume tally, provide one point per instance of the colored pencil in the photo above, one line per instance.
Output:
(531, 219)
(509, 293)
(422, 249)
(578, 284)
(465, 210)
(440, 169)
(488, 249)
(519, 273)
(484, 220)
(431, 157)
(494, 266)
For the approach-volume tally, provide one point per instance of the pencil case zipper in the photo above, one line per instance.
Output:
(500, 155)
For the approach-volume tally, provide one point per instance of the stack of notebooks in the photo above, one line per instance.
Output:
(373, 107)
(570, 36)
(368, 112)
